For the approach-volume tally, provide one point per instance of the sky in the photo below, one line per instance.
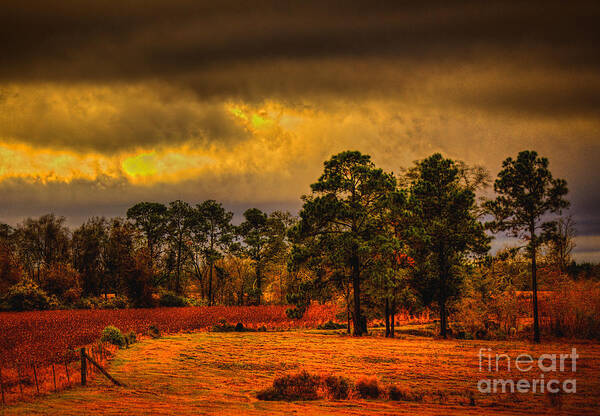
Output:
(104, 104)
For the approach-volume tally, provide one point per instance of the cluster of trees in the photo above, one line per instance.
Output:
(374, 240)
(176, 248)
(386, 240)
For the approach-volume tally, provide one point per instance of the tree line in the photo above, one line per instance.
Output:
(375, 240)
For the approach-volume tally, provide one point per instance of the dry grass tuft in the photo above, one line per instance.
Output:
(405, 394)
(337, 387)
(292, 387)
(368, 388)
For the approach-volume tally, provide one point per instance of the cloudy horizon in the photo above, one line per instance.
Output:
(103, 105)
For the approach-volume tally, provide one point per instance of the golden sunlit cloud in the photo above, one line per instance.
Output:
(165, 163)
(143, 164)
(47, 165)
(24, 161)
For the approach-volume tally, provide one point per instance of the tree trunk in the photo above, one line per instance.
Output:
(210, 279)
(349, 319)
(536, 322)
(393, 319)
(150, 253)
(357, 317)
(443, 333)
(258, 283)
(178, 278)
(387, 318)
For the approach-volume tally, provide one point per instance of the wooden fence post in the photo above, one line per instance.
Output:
(54, 376)
(37, 386)
(102, 370)
(2, 387)
(83, 367)
(67, 369)
(89, 369)
(20, 380)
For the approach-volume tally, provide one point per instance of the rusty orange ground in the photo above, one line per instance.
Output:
(220, 373)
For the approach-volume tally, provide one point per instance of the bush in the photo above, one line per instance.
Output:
(262, 328)
(153, 331)
(574, 310)
(337, 387)
(83, 303)
(10, 270)
(118, 302)
(196, 302)
(131, 337)
(113, 335)
(72, 296)
(398, 393)
(301, 386)
(368, 388)
(223, 326)
(295, 313)
(27, 296)
(58, 278)
(239, 327)
(331, 325)
(171, 299)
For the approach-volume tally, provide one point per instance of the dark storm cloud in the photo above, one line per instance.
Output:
(477, 81)
(193, 41)
(108, 119)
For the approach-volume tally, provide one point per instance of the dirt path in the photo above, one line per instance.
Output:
(220, 373)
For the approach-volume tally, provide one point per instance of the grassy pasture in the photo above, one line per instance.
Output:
(220, 373)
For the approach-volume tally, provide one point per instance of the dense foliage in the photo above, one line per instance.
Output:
(369, 241)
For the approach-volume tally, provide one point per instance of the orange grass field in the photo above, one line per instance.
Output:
(43, 337)
(220, 373)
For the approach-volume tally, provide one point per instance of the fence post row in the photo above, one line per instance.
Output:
(2, 387)
(98, 354)
(37, 386)
(83, 367)
(84, 358)
(54, 376)
(67, 368)
(20, 380)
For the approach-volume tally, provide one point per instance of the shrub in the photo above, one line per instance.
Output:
(404, 394)
(300, 386)
(489, 317)
(58, 278)
(72, 296)
(269, 394)
(294, 313)
(10, 270)
(368, 388)
(131, 337)
(114, 336)
(171, 299)
(27, 296)
(118, 302)
(83, 303)
(299, 297)
(223, 326)
(337, 387)
(196, 302)
(262, 328)
(153, 331)
(239, 327)
(331, 325)
(574, 310)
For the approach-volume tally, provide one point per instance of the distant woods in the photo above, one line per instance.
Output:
(367, 239)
